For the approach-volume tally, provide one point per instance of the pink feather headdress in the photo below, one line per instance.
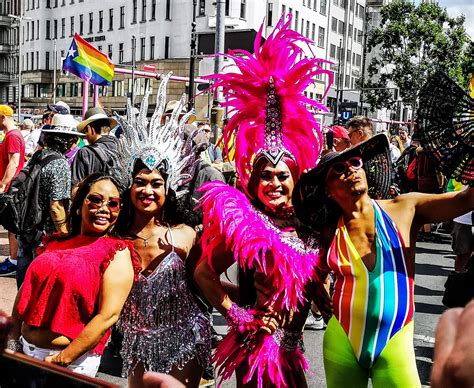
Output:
(270, 115)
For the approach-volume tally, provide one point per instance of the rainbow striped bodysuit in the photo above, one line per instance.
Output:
(373, 311)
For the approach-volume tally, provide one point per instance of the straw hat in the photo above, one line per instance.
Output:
(94, 114)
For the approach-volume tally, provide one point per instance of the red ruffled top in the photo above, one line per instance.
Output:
(61, 287)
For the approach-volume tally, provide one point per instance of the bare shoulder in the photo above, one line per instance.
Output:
(185, 234)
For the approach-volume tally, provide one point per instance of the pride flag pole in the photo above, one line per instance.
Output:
(95, 101)
(85, 98)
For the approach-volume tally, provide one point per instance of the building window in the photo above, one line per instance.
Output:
(37, 29)
(332, 51)
(349, 33)
(302, 26)
(335, 2)
(307, 28)
(348, 56)
(48, 3)
(101, 22)
(270, 15)
(243, 9)
(347, 82)
(153, 10)
(340, 28)
(91, 22)
(313, 32)
(227, 7)
(321, 36)
(167, 47)
(27, 32)
(333, 24)
(33, 30)
(55, 3)
(122, 17)
(72, 26)
(63, 27)
(111, 19)
(202, 7)
(315, 7)
(72, 2)
(322, 7)
(339, 53)
(120, 52)
(142, 49)
(297, 19)
(168, 10)
(81, 24)
(134, 15)
(37, 60)
(152, 47)
(358, 60)
(110, 51)
(352, 5)
(61, 90)
(144, 10)
(55, 29)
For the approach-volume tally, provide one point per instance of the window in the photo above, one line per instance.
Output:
(32, 58)
(313, 32)
(120, 52)
(302, 26)
(202, 8)
(61, 90)
(339, 53)
(304, 3)
(358, 60)
(72, 26)
(142, 49)
(72, 2)
(33, 30)
(167, 47)
(335, 2)
(117, 88)
(48, 3)
(321, 36)
(111, 19)
(55, 29)
(101, 22)
(63, 3)
(27, 31)
(37, 29)
(315, 5)
(307, 28)
(227, 7)
(347, 82)
(297, 19)
(63, 27)
(168, 10)
(342, 3)
(46, 62)
(340, 28)
(332, 51)
(352, 5)
(110, 51)
(134, 17)
(322, 7)
(353, 58)
(243, 9)
(153, 9)
(152, 47)
(334, 24)
(55, 3)
(270, 15)
(122, 17)
(81, 24)
(37, 60)
(360, 35)
(348, 56)
(74, 89)
(91, 22)
(349, 33)
(144, 10)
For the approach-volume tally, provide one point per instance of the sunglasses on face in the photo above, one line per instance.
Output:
(96, 201)
(340, 168)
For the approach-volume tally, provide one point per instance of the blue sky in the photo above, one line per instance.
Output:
(458, 7)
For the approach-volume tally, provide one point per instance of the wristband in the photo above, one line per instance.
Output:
(239, 318)
(14, 345)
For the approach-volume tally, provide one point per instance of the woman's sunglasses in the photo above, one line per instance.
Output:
(96, 201)
(340, 168)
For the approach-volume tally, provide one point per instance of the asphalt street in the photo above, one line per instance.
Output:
(434, 261)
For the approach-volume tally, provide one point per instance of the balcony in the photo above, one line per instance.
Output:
(6, 77)
(5, 21)
(5, 49)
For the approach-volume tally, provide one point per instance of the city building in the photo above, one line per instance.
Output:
(161, 31)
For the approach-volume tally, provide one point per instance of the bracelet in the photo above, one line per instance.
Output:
(14, 345)
(238, 318)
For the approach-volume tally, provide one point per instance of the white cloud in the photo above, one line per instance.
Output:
(461, 7)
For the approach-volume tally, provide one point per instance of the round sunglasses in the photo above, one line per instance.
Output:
(96, 201)
(340, 168)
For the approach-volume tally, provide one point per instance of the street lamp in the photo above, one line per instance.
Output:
(20, 19)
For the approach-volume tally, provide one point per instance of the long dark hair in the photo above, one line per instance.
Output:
(171, 208)
(58, 142)
(83, 188)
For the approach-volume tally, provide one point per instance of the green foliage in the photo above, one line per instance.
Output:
(411, 43)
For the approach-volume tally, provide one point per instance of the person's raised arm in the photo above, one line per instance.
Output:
(117, 282)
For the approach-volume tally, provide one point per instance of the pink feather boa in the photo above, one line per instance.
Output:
(230, 219)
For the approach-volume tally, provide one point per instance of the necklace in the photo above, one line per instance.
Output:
(145, 239)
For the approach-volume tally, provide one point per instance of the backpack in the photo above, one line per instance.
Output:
(106, 158)
(20, 210)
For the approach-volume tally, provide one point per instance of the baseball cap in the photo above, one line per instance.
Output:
(6, 110)
(340, 132)
(61, 109)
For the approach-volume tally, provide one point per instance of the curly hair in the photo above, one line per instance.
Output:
(59, 142)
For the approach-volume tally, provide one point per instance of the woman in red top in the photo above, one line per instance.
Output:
(75, 290)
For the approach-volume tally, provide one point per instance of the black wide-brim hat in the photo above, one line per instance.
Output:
(446, 127)
(313, 206)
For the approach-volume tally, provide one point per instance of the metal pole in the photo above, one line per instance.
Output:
(364, 58)
(336, 109)
(132, 95)
(54, 71)
(192, 58)
(219, 41)
(95, 101)
(85, 98)
(20, 64)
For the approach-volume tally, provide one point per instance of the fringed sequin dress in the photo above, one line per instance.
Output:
(161, 323)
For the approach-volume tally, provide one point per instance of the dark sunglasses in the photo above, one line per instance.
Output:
(96, 201)
(340, 168)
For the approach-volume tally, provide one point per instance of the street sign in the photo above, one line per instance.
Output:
(346, 115)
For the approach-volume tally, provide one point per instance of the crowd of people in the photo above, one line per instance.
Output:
(143, 214)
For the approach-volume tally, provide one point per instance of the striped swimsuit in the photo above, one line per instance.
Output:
(371, 307)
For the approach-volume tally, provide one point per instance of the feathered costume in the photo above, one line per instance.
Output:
(270, 118)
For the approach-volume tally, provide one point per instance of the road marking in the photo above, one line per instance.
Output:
(424, 338)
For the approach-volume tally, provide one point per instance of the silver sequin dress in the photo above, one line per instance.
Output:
(161, 323)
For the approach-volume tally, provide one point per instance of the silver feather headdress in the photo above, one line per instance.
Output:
(157, 145)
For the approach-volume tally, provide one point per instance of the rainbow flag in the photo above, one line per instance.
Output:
(88, 63)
